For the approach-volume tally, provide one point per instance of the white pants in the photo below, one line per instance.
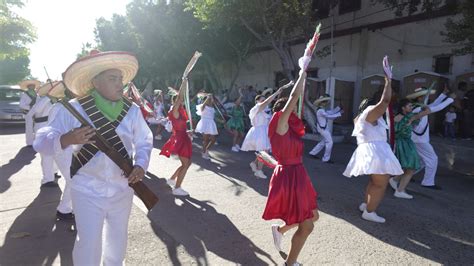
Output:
(29, 134)
(325, 142)
(91, 214)
(429, 161)
(65, 205)
(47, 166)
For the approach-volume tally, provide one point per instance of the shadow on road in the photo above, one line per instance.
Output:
(12, 129)
(199, 228)
(35, 237)
(23, 157)
(436, 225)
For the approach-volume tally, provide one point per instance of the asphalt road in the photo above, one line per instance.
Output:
(220, 223)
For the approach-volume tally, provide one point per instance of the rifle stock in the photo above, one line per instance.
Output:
(141, 190)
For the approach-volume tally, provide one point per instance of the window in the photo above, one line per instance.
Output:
(442, 64)
(346, 6)
(321, 8)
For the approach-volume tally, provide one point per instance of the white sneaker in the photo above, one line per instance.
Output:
(363, 207)
(205, 156)
(393, 183)
(373, 217)
(235, 149)
(158, 137)
(260, 174)
(180, 192)
(171, 182)
(277, 236)
(253, 165)
(402, 195)
(238, 146)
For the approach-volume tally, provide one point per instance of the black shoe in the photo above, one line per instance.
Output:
(314, 156)
(435, 187)
(329, 162)
(57, 176)
(50, 184)
(64, 216)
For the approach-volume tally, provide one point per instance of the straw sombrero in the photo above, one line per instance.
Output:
(78, 75)
(267, 91)
(322, 99)
(419, 92)
(55, 90)
(24, 84)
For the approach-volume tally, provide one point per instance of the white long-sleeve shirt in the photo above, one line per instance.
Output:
(324, 115)
(25, 101)
(100, 176)
(423, 126)
(42, 108)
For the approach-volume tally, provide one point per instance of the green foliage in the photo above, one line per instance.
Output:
(408, 7)
(15, 34)
(462, 30)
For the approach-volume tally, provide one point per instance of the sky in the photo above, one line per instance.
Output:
(62, 26)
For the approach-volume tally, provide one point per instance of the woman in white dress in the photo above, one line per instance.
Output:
(373, 155)
(257, 137)
(206, 126)
(158, 118)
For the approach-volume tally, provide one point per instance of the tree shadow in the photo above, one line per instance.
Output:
(199, 228)
(436, 225)
(36, 237)
(9, 129)
(23, 157)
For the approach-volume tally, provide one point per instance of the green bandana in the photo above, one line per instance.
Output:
(109, 109)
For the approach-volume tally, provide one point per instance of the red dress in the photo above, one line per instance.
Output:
(291, 196)
(179, 142)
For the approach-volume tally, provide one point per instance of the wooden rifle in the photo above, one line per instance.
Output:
(141, 190)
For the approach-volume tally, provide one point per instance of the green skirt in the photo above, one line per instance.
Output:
(236, 124)
(405, 150)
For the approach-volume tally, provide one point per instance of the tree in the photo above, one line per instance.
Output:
(462, 31)
(273, 23)
(164, 36)
(15, 34)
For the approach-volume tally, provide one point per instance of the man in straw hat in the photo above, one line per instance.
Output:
(322, 118)
(101, 196)
(421, 133)
(27, 100)
(39, 113)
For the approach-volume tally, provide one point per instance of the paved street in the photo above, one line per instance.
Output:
(220, 224)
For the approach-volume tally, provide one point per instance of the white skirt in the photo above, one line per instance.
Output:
(157, 120)
(373, 158)
(257, 139)
(206, 126)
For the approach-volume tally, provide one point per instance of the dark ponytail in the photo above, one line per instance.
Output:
(280, 103)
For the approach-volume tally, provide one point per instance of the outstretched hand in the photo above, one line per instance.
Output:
(387, 68)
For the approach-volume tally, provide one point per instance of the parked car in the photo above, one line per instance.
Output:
(10, 112)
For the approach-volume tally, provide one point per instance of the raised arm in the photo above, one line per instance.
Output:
(270, 98)
(384, 101)
(180, 97)
(206, 102)
(282, 127)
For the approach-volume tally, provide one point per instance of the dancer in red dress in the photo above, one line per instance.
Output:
(179, 143)
(291, 196)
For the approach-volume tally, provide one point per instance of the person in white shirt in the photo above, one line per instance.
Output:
(207, 126)
(101, 195)
(322, 118)
(421, 135)
(27, 100)
(450, 118)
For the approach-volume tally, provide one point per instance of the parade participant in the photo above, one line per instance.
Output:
(421, 134)
(27, 100)
(55, 92)
(206, 126)
(158, 118)
(257, 137)
(179, 142)
(291, 196)
(449, 120)
(236, 123)
(101, 195)
(373, 155)
(322, 118)
(405, 149)
(39, 113)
